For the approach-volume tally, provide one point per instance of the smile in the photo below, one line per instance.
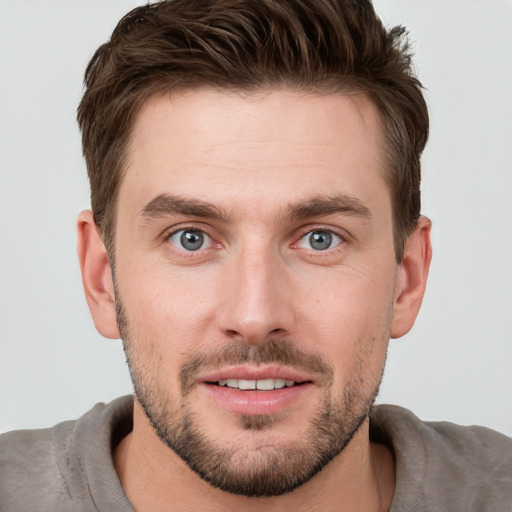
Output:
(261, 384)
(257, 391)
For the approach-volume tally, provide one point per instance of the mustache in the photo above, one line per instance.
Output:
(281, 352)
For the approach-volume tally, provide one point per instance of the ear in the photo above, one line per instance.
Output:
(96, 276)
(412, 279)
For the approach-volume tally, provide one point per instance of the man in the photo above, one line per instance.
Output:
(255, 239)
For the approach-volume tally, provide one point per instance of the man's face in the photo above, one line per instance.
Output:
(254, 249)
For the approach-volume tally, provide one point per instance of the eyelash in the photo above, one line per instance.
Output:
(309, 230)
(321, 229)
(183, 253)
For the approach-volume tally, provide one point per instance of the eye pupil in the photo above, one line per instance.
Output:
(320, 240)
(192, 240)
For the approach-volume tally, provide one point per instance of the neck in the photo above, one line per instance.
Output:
(362, 477)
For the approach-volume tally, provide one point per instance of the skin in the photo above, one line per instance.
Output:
(256, 158)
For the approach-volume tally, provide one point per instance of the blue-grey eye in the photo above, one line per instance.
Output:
(190, 240)
(319, 240)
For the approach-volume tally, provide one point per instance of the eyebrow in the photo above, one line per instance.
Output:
(328, 205)
(169, 204)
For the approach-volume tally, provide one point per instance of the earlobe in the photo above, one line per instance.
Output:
(96, 276)
(412, 279)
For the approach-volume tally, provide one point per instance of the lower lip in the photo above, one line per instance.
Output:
(255, 403)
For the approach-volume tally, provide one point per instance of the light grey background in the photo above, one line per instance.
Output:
(456, 364)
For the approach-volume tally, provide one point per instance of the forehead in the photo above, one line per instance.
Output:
(280, 144)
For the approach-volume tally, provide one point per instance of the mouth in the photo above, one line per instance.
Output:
(257, 391)
(260, 384)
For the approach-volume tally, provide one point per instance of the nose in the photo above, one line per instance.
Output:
(255, 297)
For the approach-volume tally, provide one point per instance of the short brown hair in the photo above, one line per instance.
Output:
(317, 46)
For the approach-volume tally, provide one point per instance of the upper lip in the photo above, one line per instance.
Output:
(261, 372)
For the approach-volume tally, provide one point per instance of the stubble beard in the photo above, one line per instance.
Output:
(265, 469)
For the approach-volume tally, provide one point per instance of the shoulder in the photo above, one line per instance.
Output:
(57, 468)
(443, 438)
(447, 465)
(32, 460)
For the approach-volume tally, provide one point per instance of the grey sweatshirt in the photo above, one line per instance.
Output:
(440, 466)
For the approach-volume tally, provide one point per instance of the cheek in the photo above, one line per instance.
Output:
(349, 320)
(162, 299)
(351, 301)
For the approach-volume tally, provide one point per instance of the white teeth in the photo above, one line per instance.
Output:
(246, 384)
(262, 384)
(279, 383)
(265, 384)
